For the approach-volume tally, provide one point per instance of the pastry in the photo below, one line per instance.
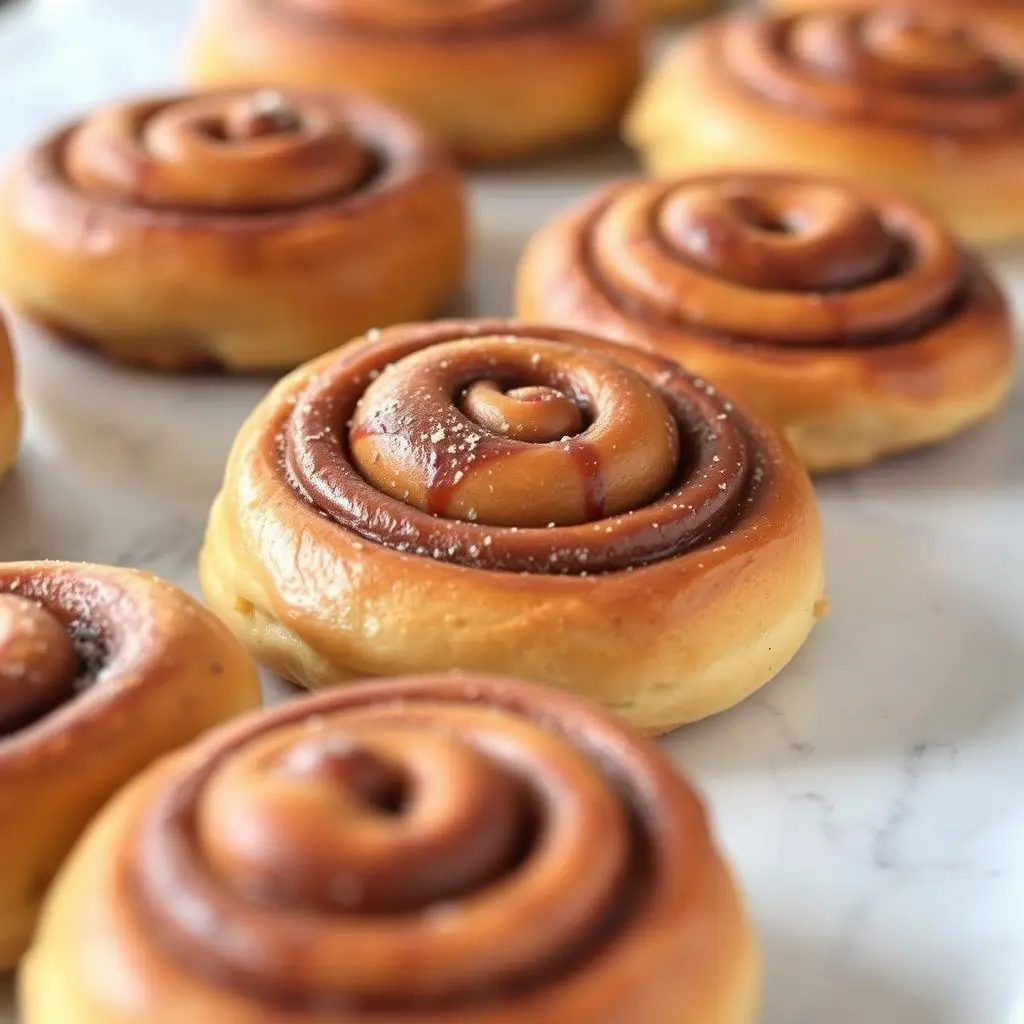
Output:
(452, 850)
(102, 671)
(922, 103)
(248, 230)
(845, 315)
(10, 416)
(492, 496)
(498, 79)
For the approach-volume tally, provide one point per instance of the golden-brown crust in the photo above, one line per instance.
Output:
(137, 234)
(545, 864)
(764, 106)
(829, 329)
(10, 414)
(663, 643)
(495, 92)
(158, 670)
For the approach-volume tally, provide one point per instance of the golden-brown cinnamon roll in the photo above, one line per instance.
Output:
(249, 230)
(845, 315)
(925, 103)
(498, 79)
(10, 415)
(102, 671)
(465, 850)
(492, 496)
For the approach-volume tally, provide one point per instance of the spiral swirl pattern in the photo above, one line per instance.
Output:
(93, 638)
(102, 671)
(414, 845)
(225, 151)
(771, 260)
(518, 448)
(59, 629)
(918, 70)
(38, 662)
(452, 17)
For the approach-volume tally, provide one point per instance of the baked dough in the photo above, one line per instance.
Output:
(921, 103)
(842, 313)
(244, 230)
(102, 672)
(499, 79)
(440, 850)
(498, 497)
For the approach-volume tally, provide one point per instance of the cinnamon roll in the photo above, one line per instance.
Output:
(498, 79)
(927, 103)
(10, 415)
(102, 671)
(465, 850)
(247, 230)
(845, 315)
(492, 496)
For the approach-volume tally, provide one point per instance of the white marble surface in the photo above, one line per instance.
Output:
(870, 797)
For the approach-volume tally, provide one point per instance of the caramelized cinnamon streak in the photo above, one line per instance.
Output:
(774, 260)
(531, 837)
(234, 152)
(921, 71)
(442, 441)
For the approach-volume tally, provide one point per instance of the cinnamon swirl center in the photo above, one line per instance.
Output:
(446, 441)
(224, 151)
(276, 863)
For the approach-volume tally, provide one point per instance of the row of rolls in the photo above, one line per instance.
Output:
(820, 179)
(442, 848)
(463, 504)
(448, 500)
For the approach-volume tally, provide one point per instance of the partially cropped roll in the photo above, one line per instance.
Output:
(464, 850)
(10, 414)
(924, 102)
(492, 496)
(498, 79)
(248, 230)
(102, 671)
(845, 315)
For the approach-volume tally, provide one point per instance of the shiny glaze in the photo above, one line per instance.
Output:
(844, 268)
(536, 835)
(569, 525)
(400, 157)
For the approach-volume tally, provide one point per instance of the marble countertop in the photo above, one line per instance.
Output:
(870, 797)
